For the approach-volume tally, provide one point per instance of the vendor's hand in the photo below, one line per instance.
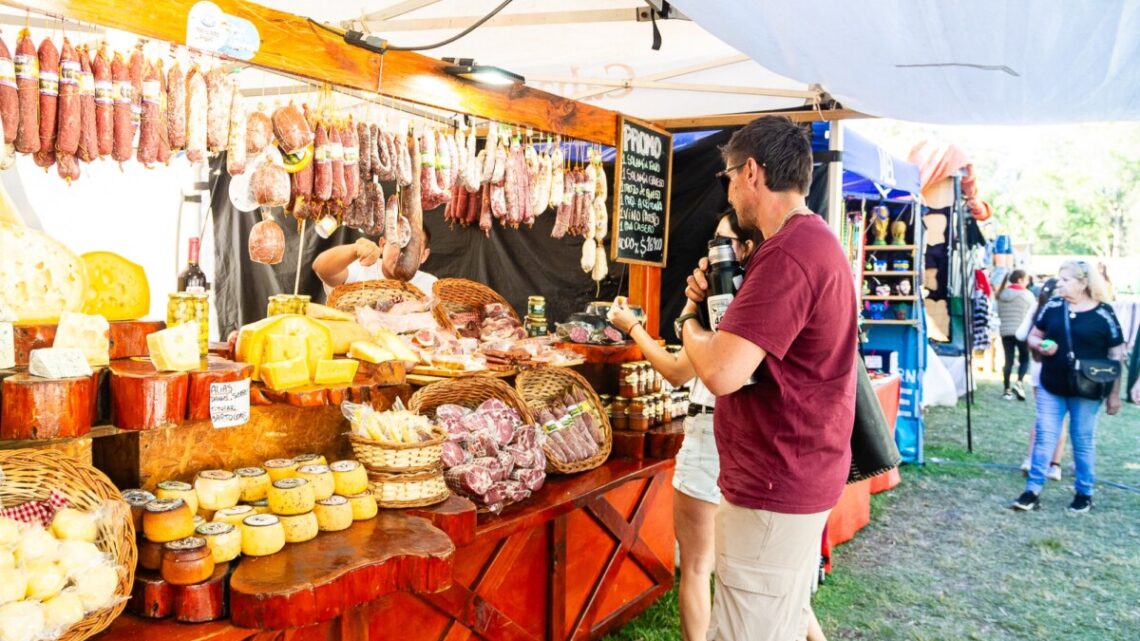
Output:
(698, 285)
(367, 252)
(622, 318)
(1112, 404)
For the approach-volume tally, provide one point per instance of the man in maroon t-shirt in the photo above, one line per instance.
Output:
(784, 440)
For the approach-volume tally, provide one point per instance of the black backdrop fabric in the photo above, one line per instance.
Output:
(515, 263)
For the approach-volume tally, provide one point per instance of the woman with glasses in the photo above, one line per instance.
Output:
(1079, 310)
(698, 466)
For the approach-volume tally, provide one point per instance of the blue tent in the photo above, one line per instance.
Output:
(869, 171)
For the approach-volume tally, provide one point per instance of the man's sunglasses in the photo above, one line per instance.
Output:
(725, 176)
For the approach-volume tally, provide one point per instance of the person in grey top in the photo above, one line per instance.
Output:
(1014, 303)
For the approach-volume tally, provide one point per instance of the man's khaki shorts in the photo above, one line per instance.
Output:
(765, 565)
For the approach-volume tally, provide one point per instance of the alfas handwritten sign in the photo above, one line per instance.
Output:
(642, 175)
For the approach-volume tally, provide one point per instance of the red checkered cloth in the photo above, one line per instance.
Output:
(41, 512)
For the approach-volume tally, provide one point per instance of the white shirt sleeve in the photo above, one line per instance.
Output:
(1027, 323)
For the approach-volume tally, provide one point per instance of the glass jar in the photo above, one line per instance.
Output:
(184, 307)
(627, 380)
(536, 306)
(638, 422)
(187, 561)
(667, 402)
(619, 417)
(658, 380)
(288, 304)
(536, 326)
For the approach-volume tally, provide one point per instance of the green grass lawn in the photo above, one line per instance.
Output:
(944, 559)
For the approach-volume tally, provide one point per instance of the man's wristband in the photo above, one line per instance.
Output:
(679, 324)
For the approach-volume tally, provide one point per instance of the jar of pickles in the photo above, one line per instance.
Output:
(288, 304)
(536, 307)
(536, 326)
(185, 307)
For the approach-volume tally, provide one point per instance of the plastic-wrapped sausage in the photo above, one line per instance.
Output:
(196, 118)
(562, 222)
(557, 177)
(500, 172)
(485, 212)
(27, 65)
(269, 185)
(219, 93)
(148, 124)
(266, 240)
(67, 138)
(49, 102)
(176, 107)
(392, 219)
(407, 167)
(444, 169)
(336, 161)
(488, 170)
(9, 99)
(135, 70)
(164, 150)
(124, 132)
(88, 135)
(291, 128)
(258, 133)
(104, 101)
(351, 146)
(235, 146)
(499, 204)
(322, 165)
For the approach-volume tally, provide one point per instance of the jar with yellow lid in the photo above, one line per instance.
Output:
(261, 506)
(137, 499)
(291, 496)
(187, 561)
(262, 535)
(217, 489)
(254, 482)
(233, 515)
(363, 505)
(310, 459)
(178, 490)
(223, 539)
(280, 468)
(167, 520)
(333, 514)
(320, 477)
(350, 477)
(299, 527)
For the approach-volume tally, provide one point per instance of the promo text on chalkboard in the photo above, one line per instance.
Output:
(642, 175)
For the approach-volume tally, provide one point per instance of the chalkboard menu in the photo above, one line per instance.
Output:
(641, 193)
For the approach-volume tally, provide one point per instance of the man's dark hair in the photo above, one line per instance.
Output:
(778, 145)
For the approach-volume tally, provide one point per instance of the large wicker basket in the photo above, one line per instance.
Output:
(399, 457)
(468, 392)
(367, 293)
(408, 490)
(31, 475)
(460, 294)
(537, 386)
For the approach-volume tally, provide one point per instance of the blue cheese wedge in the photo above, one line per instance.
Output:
(58, 362)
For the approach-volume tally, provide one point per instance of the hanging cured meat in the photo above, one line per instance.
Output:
(219, 94)
(258, 133)
(67, 141)
(28, 94)
(104, 101)
(292, 130)
(266, 242)
(88, 131)
(124, 132)
(176, 107)
(9, 99)
(269, 185)
(196, 118)
(408, 262)
(236, 145)
(49, 103)
(148, 125)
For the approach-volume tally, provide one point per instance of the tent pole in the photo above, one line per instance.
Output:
(835, 214)
(967, 307)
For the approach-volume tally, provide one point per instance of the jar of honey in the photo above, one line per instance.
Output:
(627, 380)
(619, 417)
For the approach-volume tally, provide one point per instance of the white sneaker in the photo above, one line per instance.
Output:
(1025, 465)
(1054, 473)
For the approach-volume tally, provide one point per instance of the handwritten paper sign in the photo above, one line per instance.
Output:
(229, 403)
(642, 175)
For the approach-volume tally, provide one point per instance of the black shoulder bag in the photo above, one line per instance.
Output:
(1090, 378)
(873, 449)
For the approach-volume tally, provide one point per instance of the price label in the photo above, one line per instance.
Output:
(229, 403)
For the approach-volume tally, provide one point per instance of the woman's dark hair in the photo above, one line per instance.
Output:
(1011, 278)
(1047, 289)
(743, 234)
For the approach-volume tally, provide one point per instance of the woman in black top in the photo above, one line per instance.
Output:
(1096, 334)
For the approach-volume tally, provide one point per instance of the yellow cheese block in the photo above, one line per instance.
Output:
(117, 288)
(370, 352)
(396, 345)
(40, 278)
(332, 372)
(86, 333)
(251, 339)
(175, 348)
(324, 312)
(284, 347)
(285, 374)
(345, 333)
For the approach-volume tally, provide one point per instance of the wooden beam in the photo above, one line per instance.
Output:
(735, 120)
(398, 10)
(642, 83)
(297, 46)
(531, 19)
(673, 73)
(65, 27)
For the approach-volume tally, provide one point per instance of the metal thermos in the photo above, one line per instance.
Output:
(724, 276)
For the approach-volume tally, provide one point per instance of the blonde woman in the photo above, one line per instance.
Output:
(1096, 334)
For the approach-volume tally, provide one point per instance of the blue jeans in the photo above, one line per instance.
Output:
(1051, 410)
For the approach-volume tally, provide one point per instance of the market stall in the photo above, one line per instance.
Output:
(476, 487)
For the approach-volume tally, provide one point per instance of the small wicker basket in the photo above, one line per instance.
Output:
(460, 294)
(408, 490)
(368, 293)
(537, 386)
(399, 457)
(31, 475)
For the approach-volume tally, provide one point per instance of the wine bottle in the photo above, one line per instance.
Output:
(193, 279)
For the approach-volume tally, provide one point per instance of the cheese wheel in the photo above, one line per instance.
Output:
(350, 477)
(71, 524)
(333, 514)
(254, 483)
(76, 557)
(137, 499)
(178, 490)
(310, 459)
(223, 539)
(21, 621)
(280, 468)
(45, 580)
(363, 505)
(262, 535)
(167, 520)
(217, 489)
(13, 585)
(261, 507)
(150, 555)
(233, 515)
(96, 587)
(300, 527)
(321, 478)
(37, 546)
(291, 496)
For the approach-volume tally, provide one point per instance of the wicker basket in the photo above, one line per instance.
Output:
(399, 457)
(537, 386)
(460, 294)
(408, 490)
(31, 475)
(367, 293)
(468, 392)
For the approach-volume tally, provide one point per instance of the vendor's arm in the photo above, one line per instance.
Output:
(676, 368)
(331, 266)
